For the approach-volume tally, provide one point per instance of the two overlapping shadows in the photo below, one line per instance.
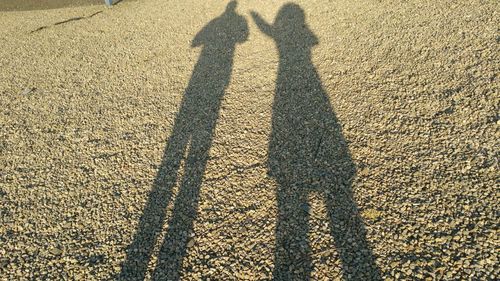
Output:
(311, 157)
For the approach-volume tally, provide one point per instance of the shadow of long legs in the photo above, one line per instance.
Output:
(193, 133)
(185, 211)
(153, 217)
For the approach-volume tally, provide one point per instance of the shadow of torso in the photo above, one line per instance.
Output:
(306, 143)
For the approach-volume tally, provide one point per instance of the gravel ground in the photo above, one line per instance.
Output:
(197, 140)
(29, 5)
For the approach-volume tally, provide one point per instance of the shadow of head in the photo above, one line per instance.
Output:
(289, 28)
(222, 33)
(289, 16)
(231, 6)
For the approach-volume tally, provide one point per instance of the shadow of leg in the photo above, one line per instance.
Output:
(153, 217)
(349, 234)
(292, 254)
(185, 211)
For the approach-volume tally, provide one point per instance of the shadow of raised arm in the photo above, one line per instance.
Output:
(262, 24)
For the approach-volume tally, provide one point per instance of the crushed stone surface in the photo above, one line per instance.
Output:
(200, 140)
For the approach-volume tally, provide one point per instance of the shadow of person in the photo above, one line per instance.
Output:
(308, 153)
(192, 133)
